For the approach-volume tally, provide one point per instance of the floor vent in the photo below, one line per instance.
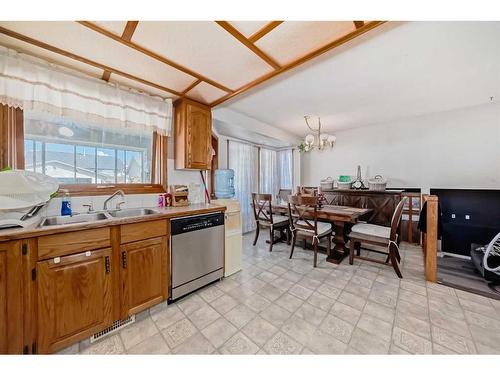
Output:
(116, 326)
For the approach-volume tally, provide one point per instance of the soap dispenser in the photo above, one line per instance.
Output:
(66, 204)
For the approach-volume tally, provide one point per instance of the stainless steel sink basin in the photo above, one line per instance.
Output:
(129, 212)
(80, 218)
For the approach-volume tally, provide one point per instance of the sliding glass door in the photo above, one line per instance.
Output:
(269, 176)
(243, 160)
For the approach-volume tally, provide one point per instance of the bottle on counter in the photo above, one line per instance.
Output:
(66, 204)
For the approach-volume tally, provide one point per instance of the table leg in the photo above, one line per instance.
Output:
(339, 252)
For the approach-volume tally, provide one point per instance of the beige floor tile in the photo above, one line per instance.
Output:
(482, 349)
(267, 276)
(352, 300)
(311, 314)
(191, 303)
(323, 343)
(412, 324)
(239, 344)
(240, 315)
(409, 296)
(300, 292)
(375, 326)
(138, 332)
(278, 270)
(109, 345)
(337, 328)
(329, 291)
(270, 292)
(361, 281)
(380, 311)
(227, 284)
(219, 332)
(366, 343)
(309, 283)
(257, 303)
(152, 345)
(480, 308)
(435, 295)
(178, 332)
(259, 330)
(210, 293)
(166, 316)
(345, 312)
(487, 337)
(276, 315)
(397, 350)
(410, 342)
(240, 293)
(321, 301)
(413, 287)
(281, 343)
(299, 329)
(196, 344)
(418, 311)
(383, 297)
(483, 321)
(452, 341)
(224, 304)
(203, 317)
(282, 284)
(289, 302)
(292, 276)
(442, 320)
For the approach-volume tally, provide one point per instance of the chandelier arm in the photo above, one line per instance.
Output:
(307, 123)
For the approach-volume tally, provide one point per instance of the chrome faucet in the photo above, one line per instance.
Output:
(118, 192)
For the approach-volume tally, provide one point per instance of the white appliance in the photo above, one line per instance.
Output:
(234, 236)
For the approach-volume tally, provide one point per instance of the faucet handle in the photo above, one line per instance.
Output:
(119, 205)
(90, 208)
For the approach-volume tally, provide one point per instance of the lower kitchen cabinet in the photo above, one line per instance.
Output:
(11, 306)
(74, 298)
(144, 274)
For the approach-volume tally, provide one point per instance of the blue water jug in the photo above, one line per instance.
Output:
(224, 183)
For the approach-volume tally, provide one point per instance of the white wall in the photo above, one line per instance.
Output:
(455, 149)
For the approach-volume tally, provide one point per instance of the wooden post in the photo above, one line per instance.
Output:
(431, 238)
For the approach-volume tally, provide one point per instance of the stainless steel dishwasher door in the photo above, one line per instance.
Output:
(197, 259)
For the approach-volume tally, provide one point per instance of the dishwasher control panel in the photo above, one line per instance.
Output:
(197, 222)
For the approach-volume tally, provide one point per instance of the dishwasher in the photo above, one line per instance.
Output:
(196, 252)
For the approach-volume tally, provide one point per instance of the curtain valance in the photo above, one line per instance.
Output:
(35, 85)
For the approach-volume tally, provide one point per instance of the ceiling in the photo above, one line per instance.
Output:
(208, 61)
(398, 70)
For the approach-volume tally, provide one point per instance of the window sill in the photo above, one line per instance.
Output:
(108, 189)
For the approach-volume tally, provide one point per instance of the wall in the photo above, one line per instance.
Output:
(455, 149)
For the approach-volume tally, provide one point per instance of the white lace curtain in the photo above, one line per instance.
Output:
(36, 85)
(285, 166)
(243, 160)
(269, 175)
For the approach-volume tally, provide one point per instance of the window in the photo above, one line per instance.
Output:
(285, 169)
(269, 177)
(76, 153)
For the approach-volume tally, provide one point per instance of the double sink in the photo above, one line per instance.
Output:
(96, 216)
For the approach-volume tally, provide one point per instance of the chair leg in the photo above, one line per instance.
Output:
(358, 248)
(256, 235)
(294, 238)
(329, 246)
(351, 251)
(304, 244)
(394, 262)
(315, 253)
(287, 236)
(271, 239)
(398, 256)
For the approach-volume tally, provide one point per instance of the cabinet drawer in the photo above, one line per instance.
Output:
(141, 231)
(62, 244)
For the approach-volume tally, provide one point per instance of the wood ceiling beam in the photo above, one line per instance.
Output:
(126, 35)
(358, 24)
(191, 86)
(264, 30)
(84, 60)
(309, 56)
(154, 55)
(242, 39)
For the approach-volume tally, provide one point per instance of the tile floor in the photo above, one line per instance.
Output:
(280, 306)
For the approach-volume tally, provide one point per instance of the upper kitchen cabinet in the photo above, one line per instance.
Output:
(193, 132)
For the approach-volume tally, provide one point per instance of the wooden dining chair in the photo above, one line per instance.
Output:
(263, 213)
(381, 236)
(303, 216)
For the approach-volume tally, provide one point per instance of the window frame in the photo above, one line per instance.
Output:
(109, 188)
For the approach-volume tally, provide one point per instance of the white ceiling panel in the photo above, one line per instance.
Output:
(248, 28)
(293, 39)
(116, 27)
(205, 93)
(78, 39)
(55, 58)
(204, 47)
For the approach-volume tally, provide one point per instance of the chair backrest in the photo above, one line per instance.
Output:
(396, 218)
(284, 193)
(303, 213)
(262, 207)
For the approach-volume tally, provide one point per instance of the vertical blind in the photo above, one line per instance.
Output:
(269, 176)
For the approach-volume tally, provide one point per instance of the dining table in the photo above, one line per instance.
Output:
(342, 219)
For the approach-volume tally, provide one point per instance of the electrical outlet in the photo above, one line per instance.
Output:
(453, 216)
(467, 217)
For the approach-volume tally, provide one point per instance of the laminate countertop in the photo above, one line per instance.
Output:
(9, 234)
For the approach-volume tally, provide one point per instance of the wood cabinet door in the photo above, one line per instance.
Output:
(199, 134)
(144, 274)
(11, 314)
(74, 298)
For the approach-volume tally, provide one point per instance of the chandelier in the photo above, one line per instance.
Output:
(316, 140)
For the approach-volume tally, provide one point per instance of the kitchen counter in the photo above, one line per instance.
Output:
(163, 213)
